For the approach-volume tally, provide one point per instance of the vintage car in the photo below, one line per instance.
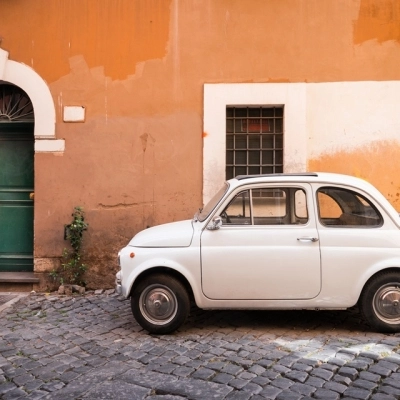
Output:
(282, 241)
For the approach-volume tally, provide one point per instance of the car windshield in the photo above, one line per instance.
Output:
(203, 213)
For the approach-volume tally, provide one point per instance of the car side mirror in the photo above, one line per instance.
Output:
(215, 223)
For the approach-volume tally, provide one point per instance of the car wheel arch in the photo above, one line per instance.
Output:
(373, 276)
(166, 271)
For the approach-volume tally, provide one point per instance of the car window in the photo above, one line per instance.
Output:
(238, 210)
(346, 208)
(267, 206)
(328, 207)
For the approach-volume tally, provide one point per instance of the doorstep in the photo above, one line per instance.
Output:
(18, 277)
(17, 281)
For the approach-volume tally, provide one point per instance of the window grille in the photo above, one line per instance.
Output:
(254, 140)
(15, 105)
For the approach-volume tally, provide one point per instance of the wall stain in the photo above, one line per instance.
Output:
(377, 19)
(144, 139)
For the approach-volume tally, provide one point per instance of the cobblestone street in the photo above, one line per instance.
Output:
(90, 347)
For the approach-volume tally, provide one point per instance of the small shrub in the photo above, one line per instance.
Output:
(72, 269)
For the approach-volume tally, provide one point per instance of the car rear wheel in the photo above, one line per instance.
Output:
(160, 303)
(380, 302)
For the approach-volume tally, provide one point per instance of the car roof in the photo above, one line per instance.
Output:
(311, 177)
(241, 177)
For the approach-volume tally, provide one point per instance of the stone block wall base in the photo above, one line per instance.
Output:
(46, 264)
(46, 283)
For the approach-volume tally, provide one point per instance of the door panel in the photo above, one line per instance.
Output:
(260, 263)
(16, 207)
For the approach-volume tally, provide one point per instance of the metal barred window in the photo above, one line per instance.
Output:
(254, 140)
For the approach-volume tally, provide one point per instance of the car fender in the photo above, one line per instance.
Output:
(192, 275)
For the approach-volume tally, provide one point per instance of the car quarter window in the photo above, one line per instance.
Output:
(339, 207)
(267, 206)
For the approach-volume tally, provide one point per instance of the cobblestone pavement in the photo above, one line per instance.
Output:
(90, 347)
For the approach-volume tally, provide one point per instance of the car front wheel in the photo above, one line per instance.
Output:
(380, 302)
(160, 303)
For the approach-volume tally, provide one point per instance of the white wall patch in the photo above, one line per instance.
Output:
(49, 146)
(74, 114)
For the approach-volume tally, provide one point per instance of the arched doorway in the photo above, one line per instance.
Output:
(16, 179)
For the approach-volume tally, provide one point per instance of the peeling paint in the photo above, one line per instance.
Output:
(278, 80)
(366, 162)
(379, 20)
(115, 34)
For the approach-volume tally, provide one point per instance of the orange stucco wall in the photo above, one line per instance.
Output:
(114, 34)
(139, 68)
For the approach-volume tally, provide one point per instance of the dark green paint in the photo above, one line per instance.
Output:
(16, 208)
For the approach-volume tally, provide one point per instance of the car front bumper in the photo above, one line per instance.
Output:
(118, 286)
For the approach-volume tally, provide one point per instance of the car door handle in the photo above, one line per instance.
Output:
(307, 239)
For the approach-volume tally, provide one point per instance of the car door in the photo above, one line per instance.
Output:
(357, 239)
(266, 248)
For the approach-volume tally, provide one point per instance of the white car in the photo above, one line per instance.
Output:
(282, 241)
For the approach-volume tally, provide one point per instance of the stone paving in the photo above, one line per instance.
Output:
(90, 347)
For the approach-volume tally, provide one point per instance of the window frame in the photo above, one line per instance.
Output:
(217, 96)
(355, 194)
(290, 206)
(240, 137)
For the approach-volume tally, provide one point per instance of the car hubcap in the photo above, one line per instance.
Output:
(158, 304)
(387, 303)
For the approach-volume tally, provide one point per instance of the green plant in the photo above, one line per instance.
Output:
(72, 269)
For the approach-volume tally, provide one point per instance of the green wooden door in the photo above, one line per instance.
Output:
(16, 206)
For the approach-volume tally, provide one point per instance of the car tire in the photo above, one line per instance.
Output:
(160, 303)
(380, 302)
